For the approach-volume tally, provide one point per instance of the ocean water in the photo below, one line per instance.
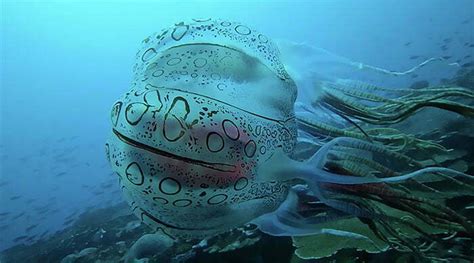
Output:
(64, 65)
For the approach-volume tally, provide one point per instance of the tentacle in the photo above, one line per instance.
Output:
(393, 139)
(288, 221)
(411, 203)
(342, 95)
(341, 175)
(391, 113)
(362, 145)
(352, 163)
(385, 195)
(354, 85)
(368, 172)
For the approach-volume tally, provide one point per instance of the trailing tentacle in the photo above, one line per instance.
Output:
(369, 172)
(342, 94)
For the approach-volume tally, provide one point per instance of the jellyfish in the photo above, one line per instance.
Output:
(210, 137)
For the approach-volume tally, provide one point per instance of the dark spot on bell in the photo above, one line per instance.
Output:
(202, 194)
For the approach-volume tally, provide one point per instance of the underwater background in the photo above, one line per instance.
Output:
(64, 63)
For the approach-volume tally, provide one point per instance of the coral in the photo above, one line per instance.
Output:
(148, 245)
(86, 252)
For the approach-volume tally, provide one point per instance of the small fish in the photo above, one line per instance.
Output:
(60, 174)
(447, 40)
(98, 192)
(48, 205)
(414, 76)
(465, 21)
(71, 215)
(42, 212)
(16, 197)
(107, 185)
(414, 57)
(407, 44)
(471, 45)
(446, 57)
(25, 158)
(467, 56)
(444, 136)
(67, 222)
(28, 229)
(44, 233)
(19, 238)
(54, 211)
(19, 215)
(4, 213)
(466, 65)
(31, 238)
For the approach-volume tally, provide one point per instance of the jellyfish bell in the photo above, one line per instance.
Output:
(210, 103)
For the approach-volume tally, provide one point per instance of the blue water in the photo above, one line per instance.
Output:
(63, 63)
